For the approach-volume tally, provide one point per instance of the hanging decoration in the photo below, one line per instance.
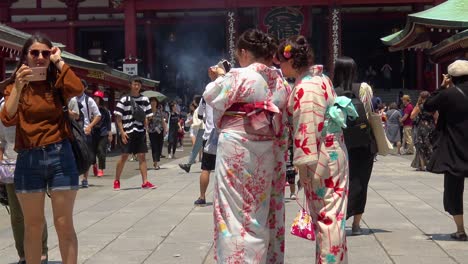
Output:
(231, 16)
(335, 28)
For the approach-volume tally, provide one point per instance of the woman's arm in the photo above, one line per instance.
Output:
(415, 112)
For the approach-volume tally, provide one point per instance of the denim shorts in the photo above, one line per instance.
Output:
(51, 167)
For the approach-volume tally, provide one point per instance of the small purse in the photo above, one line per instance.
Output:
(302, 225)
(7, 170)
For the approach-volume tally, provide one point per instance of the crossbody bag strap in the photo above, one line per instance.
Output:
(461, 91)
(87, 107)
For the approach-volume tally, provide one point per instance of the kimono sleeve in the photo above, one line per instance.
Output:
(308, 116)
(225, 91)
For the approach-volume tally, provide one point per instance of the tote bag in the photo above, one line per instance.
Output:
(383, 144)
(375, 121)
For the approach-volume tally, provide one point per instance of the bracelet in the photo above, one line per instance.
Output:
(59, 60)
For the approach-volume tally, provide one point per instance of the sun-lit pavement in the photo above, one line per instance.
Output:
(404, 220)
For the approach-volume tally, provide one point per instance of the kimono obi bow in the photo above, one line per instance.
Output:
(260, 115)
(338, 113)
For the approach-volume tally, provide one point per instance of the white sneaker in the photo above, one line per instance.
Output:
(293, 196)
(169, 156)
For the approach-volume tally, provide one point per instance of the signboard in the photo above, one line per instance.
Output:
(130, 68)
(283, 22)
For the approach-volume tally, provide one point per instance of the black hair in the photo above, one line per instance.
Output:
(156, 100)
(344, 73)
(197, 98)
(85, 83)
(459, 79)
(51, 70)
(301, 52)
(136, 78)
(259, 43)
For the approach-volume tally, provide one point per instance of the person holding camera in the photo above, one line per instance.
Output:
(45, 161)
(248, 104)
(450, 149)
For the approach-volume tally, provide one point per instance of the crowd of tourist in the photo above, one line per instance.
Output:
(242, 128)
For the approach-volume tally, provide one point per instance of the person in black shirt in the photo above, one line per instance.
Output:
(174, 128)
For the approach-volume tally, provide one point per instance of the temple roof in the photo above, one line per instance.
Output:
(14, 39)
(448, 16)
(455, 46)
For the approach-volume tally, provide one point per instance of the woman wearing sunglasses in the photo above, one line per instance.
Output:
(45, 159)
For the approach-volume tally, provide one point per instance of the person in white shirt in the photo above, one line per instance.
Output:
(89, 117)
(208, 160)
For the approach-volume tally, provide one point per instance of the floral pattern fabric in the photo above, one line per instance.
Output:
(250, 166)
(324, 153)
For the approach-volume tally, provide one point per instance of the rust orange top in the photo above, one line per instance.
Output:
(40, 120)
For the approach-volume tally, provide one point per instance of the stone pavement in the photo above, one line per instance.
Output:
(404, 221)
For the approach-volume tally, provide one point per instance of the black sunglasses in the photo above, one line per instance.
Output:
(35, 53)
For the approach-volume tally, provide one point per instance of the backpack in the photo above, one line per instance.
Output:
(137, 111)
(358, 132)
(79, 144)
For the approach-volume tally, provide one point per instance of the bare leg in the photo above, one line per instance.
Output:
(120, 165)
(292, 188)
(204, 181)
(62, 207)
(357, 220)
(143, 168)
(32, 205)
(459, 223)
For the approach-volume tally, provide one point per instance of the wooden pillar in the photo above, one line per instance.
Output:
(334, 37)
(2, 68)
(420, 70)
(72, 16)
(130, 31)
(149, 46)
(419, 58)
(5, 15)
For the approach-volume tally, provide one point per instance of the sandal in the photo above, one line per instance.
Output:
(157, 167)
(459, 236)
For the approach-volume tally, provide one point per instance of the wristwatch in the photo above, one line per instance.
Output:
(59, 60)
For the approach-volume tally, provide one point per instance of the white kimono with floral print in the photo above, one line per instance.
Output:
(250, 165)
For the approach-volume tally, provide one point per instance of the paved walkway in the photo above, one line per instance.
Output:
(404, 221)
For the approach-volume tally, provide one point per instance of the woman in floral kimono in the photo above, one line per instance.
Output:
(248, 103)
(319, 149)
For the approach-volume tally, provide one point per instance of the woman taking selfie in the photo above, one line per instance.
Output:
(45, 159)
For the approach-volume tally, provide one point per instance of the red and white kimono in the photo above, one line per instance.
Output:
(324, 153)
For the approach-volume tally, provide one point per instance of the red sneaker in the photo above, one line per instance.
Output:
(116, 185)
(95, 170)
(100, 173)
(148, 185)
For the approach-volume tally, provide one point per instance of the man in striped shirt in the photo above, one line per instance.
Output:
(132, 131)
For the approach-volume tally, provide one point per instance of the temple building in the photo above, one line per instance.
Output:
(174, 41)
(441, 32)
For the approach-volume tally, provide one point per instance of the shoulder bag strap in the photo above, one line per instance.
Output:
(461, 91)
(87, 107)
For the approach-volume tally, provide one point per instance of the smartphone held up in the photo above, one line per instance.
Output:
(38, 74)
